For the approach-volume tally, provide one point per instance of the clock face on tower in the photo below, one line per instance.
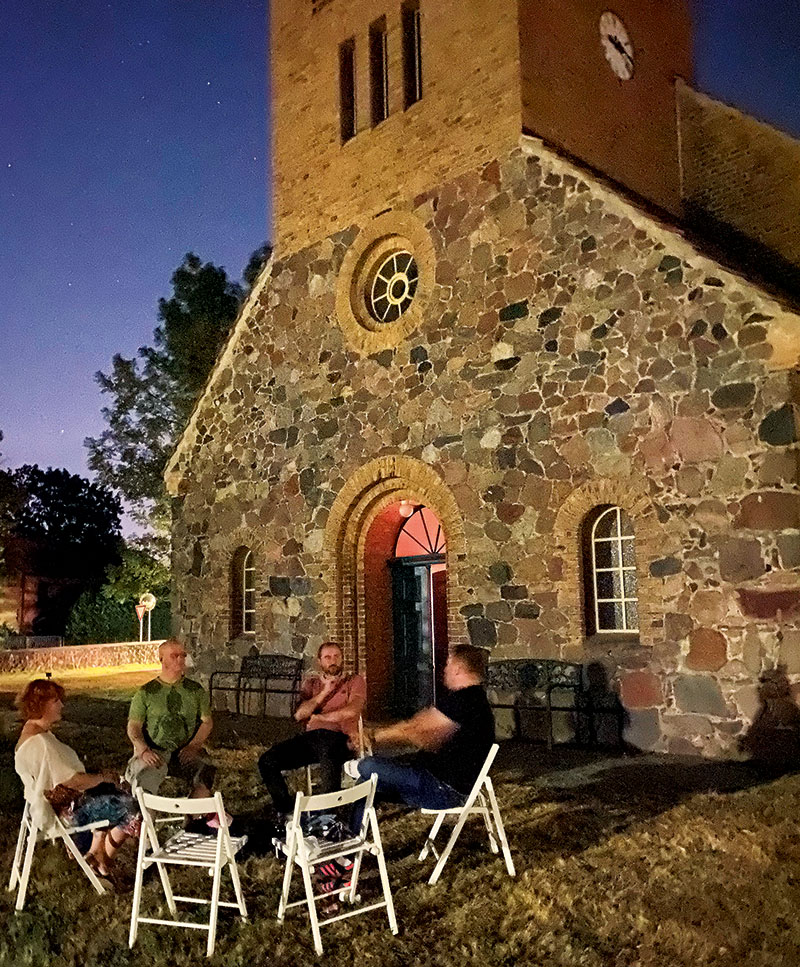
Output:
(617, 45)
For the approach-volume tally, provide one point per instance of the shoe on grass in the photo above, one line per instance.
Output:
(351, 768)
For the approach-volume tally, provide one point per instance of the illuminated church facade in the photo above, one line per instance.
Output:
(522, 370)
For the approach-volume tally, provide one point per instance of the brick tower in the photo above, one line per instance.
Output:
(360, 117)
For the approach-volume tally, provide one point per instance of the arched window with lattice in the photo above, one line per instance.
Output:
(611, 595)
(243, 593)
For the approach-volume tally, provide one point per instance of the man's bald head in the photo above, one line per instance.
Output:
(172, 655)
(169, 643)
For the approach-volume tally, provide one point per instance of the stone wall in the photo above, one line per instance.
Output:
(79, 656)
(572, 352)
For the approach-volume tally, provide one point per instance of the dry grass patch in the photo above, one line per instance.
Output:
(618, 869)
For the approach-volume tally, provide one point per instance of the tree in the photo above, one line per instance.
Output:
(143, 423)
(194, 324)
(137, 571)
(256, 263)
(8, 496)
(153, 394)
(62, 529)
(95, 619)
(73, 523)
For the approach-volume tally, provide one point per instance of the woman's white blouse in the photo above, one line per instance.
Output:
(42, 762)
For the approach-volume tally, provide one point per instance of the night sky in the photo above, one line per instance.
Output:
(130, 133)
(133, 132)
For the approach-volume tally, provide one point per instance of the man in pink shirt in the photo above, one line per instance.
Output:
(331, 702)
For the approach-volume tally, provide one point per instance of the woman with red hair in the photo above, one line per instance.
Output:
(52, 771)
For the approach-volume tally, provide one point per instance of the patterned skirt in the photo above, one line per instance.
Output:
(104, 802)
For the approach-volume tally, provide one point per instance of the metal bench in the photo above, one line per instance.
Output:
(531, 683)
(260, 675)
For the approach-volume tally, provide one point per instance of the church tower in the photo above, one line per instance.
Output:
(598, 83)
(376, 100)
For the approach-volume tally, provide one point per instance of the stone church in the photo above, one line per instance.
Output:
(521, 371)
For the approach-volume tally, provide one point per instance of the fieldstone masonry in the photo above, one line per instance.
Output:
(572, 352)
(80, 656)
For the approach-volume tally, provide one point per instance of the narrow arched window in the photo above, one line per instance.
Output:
(249, 593)
(611, 592)
(243, 593)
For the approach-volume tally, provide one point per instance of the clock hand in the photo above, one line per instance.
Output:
(619, 46)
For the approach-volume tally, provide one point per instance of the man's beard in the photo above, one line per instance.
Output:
(334, 672)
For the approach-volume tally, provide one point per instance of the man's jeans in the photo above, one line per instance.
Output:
(401, 781)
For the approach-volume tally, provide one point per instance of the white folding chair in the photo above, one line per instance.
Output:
(308, 852)
(40, 822)
(184, 848)
(480, 802)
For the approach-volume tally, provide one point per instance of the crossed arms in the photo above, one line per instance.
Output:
(311, 706)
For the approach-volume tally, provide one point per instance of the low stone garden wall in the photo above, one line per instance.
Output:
(79, 656)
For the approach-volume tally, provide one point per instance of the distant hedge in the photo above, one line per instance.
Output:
(96, 619)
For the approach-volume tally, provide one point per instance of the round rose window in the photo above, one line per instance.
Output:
(391, 288)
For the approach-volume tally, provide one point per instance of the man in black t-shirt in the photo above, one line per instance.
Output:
(454, 737)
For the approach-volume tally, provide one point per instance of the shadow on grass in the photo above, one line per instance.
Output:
(556, 806)
(584, 797)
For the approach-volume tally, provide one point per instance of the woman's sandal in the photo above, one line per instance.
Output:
(99, 867)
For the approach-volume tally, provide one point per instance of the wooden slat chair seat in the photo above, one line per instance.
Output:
(306, 853)
(184, 848)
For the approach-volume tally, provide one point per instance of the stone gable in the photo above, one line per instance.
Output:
(571, 353)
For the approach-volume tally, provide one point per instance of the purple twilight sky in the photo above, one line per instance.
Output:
(131, 133)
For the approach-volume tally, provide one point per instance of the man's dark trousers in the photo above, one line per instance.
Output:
(328, 749)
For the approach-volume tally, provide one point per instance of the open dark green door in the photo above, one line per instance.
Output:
(415, 651)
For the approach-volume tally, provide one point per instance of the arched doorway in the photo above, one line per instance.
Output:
(419, 610)
(405, 597)
(360, 539)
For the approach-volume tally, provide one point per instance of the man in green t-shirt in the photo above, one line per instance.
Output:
(168, 722)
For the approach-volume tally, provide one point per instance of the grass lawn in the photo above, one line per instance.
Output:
(117, 683)
(628, 862)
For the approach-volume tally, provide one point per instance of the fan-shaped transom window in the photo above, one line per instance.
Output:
(421, 534)
(612, 592)
(391, 286)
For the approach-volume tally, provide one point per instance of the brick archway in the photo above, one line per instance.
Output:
(651, 543)
(369, 491)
